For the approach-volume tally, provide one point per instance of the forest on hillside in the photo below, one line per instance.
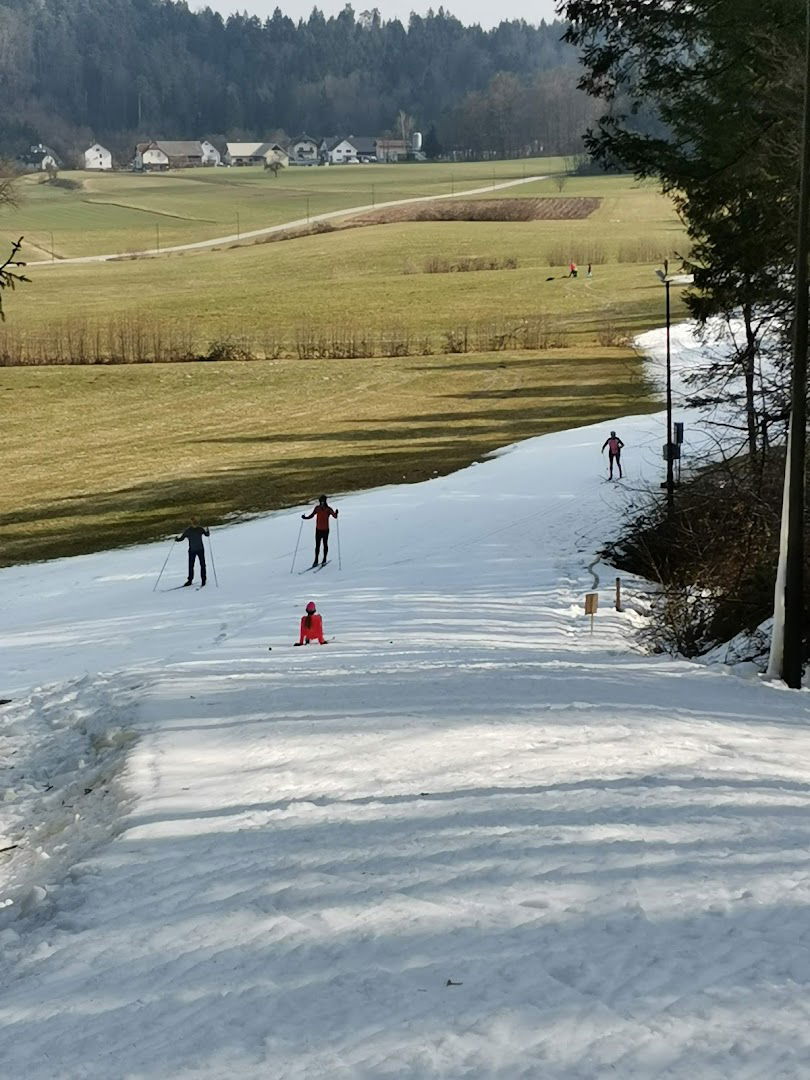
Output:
(73, 71)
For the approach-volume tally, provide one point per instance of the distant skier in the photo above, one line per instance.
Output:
(572, 269)
(194, 534)
(311, 627)
(614, 447)
(322, 513)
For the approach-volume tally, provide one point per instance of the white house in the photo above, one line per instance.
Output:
(167, 154)
(303, 150)
(349, 151)
(210, 154)
(97, 157)
(276, 154)
(150, 156)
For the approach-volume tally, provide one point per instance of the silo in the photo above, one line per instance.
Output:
(416, 141)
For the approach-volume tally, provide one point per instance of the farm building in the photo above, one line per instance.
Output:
(97, 157)
(252, 153)
(303, 151)
(210, 154)
(41, 158)
(166, 154)
(392, 150)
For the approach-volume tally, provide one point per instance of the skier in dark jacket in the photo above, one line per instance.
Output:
(194, 534)
(322, 513)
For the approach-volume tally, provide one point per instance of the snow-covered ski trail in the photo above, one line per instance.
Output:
(466, 840)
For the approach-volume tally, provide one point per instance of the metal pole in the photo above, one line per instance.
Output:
(372, 195)
(213, 564)
(670, 477)
(157, 237)
(160, 575)
(53, 256)
(237, 225)
(794, 562)
(297, 542)
(618, 594)
(337, 535)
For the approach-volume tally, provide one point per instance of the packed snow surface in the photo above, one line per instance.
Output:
(467, 838)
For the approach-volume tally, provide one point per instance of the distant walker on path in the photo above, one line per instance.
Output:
(614, 448)
(322, 513)
(194, 534)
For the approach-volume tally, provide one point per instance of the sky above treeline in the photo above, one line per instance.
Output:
(468, 11)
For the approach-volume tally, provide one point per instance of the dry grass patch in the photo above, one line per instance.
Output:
(132, 451)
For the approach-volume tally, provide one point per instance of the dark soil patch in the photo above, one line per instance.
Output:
(547, 209)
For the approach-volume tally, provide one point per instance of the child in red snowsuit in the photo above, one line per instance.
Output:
(311, 627)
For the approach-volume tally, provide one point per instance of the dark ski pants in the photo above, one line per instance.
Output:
(618, 459)
(192, 555)
(321, 537)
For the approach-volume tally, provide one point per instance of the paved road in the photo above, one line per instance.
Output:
(234, 238)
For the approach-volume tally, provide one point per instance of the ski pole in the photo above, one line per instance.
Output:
(160, 575)
(337, 536)
(213, 564)
(297, 542)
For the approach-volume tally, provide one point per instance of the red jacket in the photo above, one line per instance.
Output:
(313, 632)
(322, 515)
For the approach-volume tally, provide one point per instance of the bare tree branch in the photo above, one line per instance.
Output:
(10, 277)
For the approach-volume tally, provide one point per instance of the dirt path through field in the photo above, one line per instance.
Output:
(202, 245)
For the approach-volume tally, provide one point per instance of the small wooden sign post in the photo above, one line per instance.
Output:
(591, 605)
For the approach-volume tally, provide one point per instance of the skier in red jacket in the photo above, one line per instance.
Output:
(322, 513)
(614, 448)
(311, 627)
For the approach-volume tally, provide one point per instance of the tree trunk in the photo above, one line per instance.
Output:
(749, 373)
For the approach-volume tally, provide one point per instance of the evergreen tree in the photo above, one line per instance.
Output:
(432, 147)
(124, 70)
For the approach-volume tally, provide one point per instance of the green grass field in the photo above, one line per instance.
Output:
(373, 278)
(98, 456)
(124, 211)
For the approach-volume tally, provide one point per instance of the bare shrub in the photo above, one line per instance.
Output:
(396, 341)
(496, 335)
(272, 346)
(714, 556)
(226, 349)
(609, 334)
(436, 265)
(457, 340)
(335, 343)
(643, 251)
(541, 332)
(463, 264)
(581, 251)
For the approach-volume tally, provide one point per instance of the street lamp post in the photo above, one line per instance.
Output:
(670, 279)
